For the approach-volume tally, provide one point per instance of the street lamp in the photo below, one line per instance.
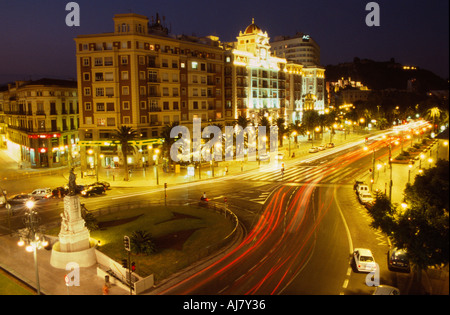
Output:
(90, 152)
(30, 237)
(156, 158)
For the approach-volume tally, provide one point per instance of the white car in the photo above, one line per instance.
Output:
(280, 156)
(322, 147)
(314, 150)
(41, 193)
(364, 260)
(362, 189)
(365, 198)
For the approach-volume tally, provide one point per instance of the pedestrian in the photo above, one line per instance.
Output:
(105, 289)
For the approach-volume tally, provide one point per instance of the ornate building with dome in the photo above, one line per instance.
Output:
(259, 84)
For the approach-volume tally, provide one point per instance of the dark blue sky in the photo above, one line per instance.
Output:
(36, 41)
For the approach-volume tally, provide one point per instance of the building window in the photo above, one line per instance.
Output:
(124, 60)
(87, 106)
(87, 91)
(98, 61)
(86, 62)
(194, 65)
(99, 92)
(108, 61)
(125, 90)
(111, 122)
(100, 107)
(124, 75)
(126, 105)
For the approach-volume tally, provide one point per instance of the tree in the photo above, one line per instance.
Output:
(142, 242)
(422, 227)
(310, 120)
(125, 134)
(280, 122)
(168, 141)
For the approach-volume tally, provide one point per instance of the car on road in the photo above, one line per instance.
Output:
(41, 193)
(20, 199)
(386, 290)
(264, 157)
(330, 145)
(362, 189)
(364, 260)
(398, 260)
(314, 150)
(60, 192)
(321, 147)
(365, 198)
(280, 156)
(93, 190)
(105, 184)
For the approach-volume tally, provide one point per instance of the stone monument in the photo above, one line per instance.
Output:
(74, 239)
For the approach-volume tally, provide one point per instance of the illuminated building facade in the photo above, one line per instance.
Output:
(255, 81)
(258, 83)
(139, 76)
(41, 122)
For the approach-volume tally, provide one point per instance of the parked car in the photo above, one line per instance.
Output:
(330, 145)
(264, 157)
(364, 260)
(386, 290)
(365, 198)
(321, 147)
(314, 150)
(41, 193)
(93, 190)
(105, 184)
(398, 259)
(280, 156)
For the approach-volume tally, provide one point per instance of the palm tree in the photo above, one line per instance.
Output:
(433, 113)
(242, 121)
(168, 141)
(142, 242)
(310, 120)
(280, 122)
(125, 134)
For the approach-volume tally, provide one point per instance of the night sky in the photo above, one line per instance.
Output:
(35, 41)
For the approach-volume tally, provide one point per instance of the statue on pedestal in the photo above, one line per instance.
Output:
(72, 183)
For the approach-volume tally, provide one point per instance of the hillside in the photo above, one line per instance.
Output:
(385, 75)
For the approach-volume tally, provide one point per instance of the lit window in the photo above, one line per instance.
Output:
(194, 65)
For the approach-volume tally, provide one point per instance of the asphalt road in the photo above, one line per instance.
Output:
(302, 227)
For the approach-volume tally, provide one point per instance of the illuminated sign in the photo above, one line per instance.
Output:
(305, 38)
(45, 136)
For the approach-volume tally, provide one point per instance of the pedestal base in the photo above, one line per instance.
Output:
(84, 258)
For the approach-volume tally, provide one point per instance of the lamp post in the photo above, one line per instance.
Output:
(155, 158)
(32, 238)
(90, 152)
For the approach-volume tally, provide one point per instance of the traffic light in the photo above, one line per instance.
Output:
(133, 267)
(126, 243)
(165, 185)
(124, 263)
